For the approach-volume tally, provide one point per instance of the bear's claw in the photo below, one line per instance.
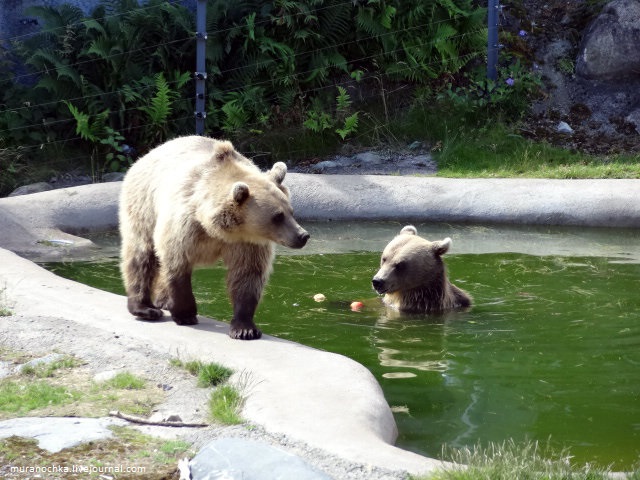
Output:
(245, 333)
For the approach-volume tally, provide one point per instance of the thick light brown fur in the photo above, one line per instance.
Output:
(413, 276)
(194, 200)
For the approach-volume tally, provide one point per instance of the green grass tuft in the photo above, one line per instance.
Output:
(18, 398)
(126, 381)
(212, 374)
(225, 404)
(510, 460)
(495, 152)
(5, 311)
(209, 374)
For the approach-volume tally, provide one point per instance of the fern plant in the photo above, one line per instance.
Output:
(343, 124)
(161, 104)
(350, 126)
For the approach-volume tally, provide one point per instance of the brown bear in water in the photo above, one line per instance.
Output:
(194, 200)
(413, 277)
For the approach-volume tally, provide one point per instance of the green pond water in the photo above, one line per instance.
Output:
(550, 351)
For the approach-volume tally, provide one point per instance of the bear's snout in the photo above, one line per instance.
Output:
(301, 239)
(379, 285)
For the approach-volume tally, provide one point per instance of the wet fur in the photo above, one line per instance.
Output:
(413, 276)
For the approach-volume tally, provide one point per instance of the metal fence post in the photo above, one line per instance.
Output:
(200, 73)
(492, 39)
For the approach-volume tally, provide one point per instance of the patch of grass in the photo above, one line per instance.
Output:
(5, 311)
(170, 450)
(225, 404)
(225, 401)
(496, 152)
(67, 389)
(20, 398)
(209, 374)
(127, 393)
(212, 374)
(152, 458)
(126, 381)
(47, 370)
(511, 460)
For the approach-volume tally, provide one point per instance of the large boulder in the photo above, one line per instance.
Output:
(609, 49)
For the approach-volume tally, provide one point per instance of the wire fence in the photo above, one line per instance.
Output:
(187, 95)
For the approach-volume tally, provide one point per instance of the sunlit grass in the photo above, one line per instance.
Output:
(523, 461)
(495, 152)
(225, 404)
(209, 374)
(20, 398)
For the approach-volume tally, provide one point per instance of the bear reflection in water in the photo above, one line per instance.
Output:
(194, 200)
(413, 277)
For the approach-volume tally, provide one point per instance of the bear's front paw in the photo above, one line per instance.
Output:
(245, 333)
(191, 320)
(144, 312)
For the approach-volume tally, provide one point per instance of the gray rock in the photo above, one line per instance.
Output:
(325, 165)
(5, 369)
(105, 376)
(113, 177)
(561, 98)
(609, 49)
(634, 118)
(57, 433)
(31, 188)
(344, 161)
(241, 459)
(422, 160)
(369, 158)
(46, 360)
(563, 127)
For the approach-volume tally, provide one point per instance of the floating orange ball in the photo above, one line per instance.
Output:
(356, 306)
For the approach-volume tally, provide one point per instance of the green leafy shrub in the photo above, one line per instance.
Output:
(122, 75)
(509, 95)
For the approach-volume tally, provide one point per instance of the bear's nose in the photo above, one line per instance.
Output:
(378, 285)
(302, 239)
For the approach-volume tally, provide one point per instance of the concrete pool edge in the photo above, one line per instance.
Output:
(350, 416)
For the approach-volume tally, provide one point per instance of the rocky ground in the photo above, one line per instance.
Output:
(99, 351)
(593, 110)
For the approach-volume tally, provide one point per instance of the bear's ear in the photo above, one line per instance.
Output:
(240, 192)
(441, 247)
(223, 150)
(278, 171)
(409, 230)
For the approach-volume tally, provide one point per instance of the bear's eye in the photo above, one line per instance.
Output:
(278, 218)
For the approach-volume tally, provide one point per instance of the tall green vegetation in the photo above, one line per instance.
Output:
(109, 78)
(119, 81)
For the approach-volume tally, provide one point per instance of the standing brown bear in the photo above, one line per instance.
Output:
(194, 200)
(413, 277)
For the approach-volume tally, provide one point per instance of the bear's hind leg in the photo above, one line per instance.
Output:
(139, 270)
(181, 302)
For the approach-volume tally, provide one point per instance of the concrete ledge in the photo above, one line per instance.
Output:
(601, 203)
(61, 214)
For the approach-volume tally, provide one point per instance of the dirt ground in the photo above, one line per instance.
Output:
(171, 391)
